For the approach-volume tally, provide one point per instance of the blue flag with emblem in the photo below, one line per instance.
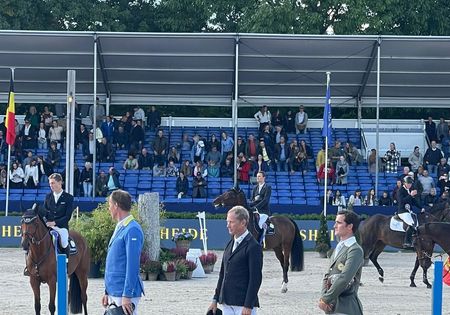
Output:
(327, 128)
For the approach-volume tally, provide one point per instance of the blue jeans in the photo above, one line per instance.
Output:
(87, 189)
(282, 166)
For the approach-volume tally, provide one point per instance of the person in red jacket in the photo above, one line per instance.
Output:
(243, 169)
(321, 173)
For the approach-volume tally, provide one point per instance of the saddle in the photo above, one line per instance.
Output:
(397, 224)
(269, 226)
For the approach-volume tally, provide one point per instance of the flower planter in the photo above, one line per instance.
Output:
(189, 275)
(183, 244)
(208, 268)
(170, 276)
(178, 275)
(144, 276)
(152, 276)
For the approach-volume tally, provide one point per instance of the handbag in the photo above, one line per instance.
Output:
(113, 309)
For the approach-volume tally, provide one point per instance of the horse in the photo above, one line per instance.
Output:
(430, 234)
(285, 242)
(376, 234)
(41, 263)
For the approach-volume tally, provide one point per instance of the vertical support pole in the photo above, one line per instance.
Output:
(70, 131)
(325, 199)
(235, 106)
(61, 284)
(377, 161)
(94, 122)
(437, 289)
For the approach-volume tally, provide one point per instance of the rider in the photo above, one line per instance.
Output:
(260, 202)
(406, 200)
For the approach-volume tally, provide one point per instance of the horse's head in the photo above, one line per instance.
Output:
(33, 229)
(233, 197)
(440, 212)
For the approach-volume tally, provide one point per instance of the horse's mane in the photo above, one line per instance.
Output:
(438, 207)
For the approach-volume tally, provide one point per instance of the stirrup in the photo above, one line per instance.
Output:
(26, 273)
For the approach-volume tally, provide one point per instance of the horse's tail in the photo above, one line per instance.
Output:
(297, 255)
(75, 295)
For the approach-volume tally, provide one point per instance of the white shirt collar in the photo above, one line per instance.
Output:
(119, 224)
(349, 241)
(57, 195)
(241, 238)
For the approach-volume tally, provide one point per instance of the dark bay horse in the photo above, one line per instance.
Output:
(285, 242)
(376, 234)
(430, 234)
(41, 263)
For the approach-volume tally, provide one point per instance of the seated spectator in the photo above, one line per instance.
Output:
(86, 179)
(243, 170)
(299, 163)
(45, 169)
(101, 185)
(427, 183)
(171, 170)
(398, 186)
(371, 199)
(160, 147)
(42, 137)
(372, 160)
(251, 147)
(356, 199)
(186, 144)
(338, 199)
(320, 159)
(260, 165)
(443, 167)
(385, 200)
(200, 168)
(415, 159)
(145, 160)
(121, 138)
(301, 120)
(226, 145)
(241, 147)
(186, 168)
(3, 176)
(47, 117)
(153, 118)
(31, 175)
(16, 176)
(444, 183)
(330, 174)
(213, 169)
(113, 180)
(405, 173)
(105, 151)
(282, 154)
(53, 156)
(199, 186)
(55, 134)
(430, 200)
(354, 156)
(226, 170)
(28, 158)
(159, 170)
(28, 134)
(107, 128)
(173, 155)
(342, 171)
(213, 141)
(213, 156)
(306, 149)
(182, 185)
(198, 151)
(139, 113)
(131, 163)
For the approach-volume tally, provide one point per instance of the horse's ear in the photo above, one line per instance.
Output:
(35, 208)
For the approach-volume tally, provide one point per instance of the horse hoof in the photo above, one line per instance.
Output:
(381, 279)
(413, 285)
(284, 288)
(429, 286)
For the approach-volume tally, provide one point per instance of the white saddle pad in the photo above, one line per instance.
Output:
(396, 225)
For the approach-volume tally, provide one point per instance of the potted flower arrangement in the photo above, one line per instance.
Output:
(323, 244)
(150, 269)
(190, 265)
(181, 269)
(143, 263)
(208, 260)
(169, 268)
(179, 252)
(183, 239)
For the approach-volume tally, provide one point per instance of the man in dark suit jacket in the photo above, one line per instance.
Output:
(58, 207)
(241, 269)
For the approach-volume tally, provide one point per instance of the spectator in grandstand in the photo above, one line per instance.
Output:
(241, 147)
(354, 156)
(330, 174)
(159, 170)
(153, 118)
(107, 128)
(213, 141)
(268, 138)
(213, 169)
(299, 163)
(55, 133)
(444, 197)
(186, 144)
(335, 152)
(406, 171)
(33, 117)
(17, 127)
(303, 147)
(3, 147)
(199, 186)
(16, 176)
(139, 113)
(101, 185)
(199, 167)
(430, 199)
(392, 159)
(173, 155)
(198, 151)
(131, 163)
(98, 134)
(137, 137)
(82, 136)
(160, 146)
(226, 169)
(342, 169)
(372, 160)
(28, 134)
(29, 156)
(31, 175)
(301, 120)
(289, 121)
(338, 199)
(53, 156)
(279, 132)
(251, 147)
(88, 150)
(105, 151)
(100, 110)
(277, 119)
(398, 185)
(430, 129)
(227, 145)
(113, 180)
(45, 169)
(186, 168)
(415, 159)
(371, 198)
(442, 130)
(320, 159)
(16, 149)
(260, 165)
(265, 152)
(443, 167)
(427, 183)
(432, 158)
(243, 169)
(172, 169)
(42, 137)
(76, 180)
(47, 117)
(356, 199)
(263, 117)
(385, 200)
(282, 154)
(182, 185)
(86, 178)
(145, 160)
(3, 176)
(121, 138)
(444, 183)
(126, 123)
(213, 156)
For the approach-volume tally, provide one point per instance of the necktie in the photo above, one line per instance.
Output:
(235, 245)
(338, 248)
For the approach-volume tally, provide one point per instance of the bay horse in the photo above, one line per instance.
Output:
(430, 234)
(41, 263)
(376, 234)
(286, 241)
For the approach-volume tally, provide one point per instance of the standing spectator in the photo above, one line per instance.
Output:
(145, 160)
(16, 176)
(105, 151)
(289, 122)
(226, 170)
(3, 147)
(372, 161)
(171, 170)
(354, 156)
(335, 152)
(303, 147)
(330, 176)
(243, 170)
(282, 153)
(173, 155)
(263, 117)
(55, 133)
(47, 118)
(320, 159)
(342, 171)
(42, 137)
(427, 183)
(33, 117)
(89, 149)
(3, 176)
(45, 169)
(442, 129)
(199, 185)
(28, 135)
(186, 168)
(415, 159)
(31, 175)
(385, 200)
(159, 170)
(371, 199)
(392, 159)
(121, 138)
(430, 129)
(430, 200)
(252, 147)
(277, 119)
(356, 199)
(137, 136)
(338, 199)
(279, 132)
(100, 110)
(153, 118)
(432, 158)
(186, 144)
(131, 163)
(101, 185)
(113, 180)
(53, 156)
(139, 113)
(226, 145)
(82, 137)
(241, 147)
(86, 178)
(260, 165)
(301, 120)
(213, 142)
(265, 152)
(198, 151)
(443, 167)
(444, 183)
(28, 158)
(160, 146)
(182, 185)
(398, 185)
(268, 138)
(107, 128)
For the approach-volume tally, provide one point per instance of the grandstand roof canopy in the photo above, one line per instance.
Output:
(199, 69)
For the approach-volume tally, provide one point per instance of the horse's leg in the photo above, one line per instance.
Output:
(379, 246)
(279, 253)
(52, 289)
(82, 277)
(425, 264)
(413, 274)
(36, 286)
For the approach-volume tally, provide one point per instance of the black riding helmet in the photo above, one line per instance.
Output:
(408, 180)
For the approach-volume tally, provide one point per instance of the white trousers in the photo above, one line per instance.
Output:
(407, 218)
(234, 310)
(63, 236)
(118, 301)
(262, 219)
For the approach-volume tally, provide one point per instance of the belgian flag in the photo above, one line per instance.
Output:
(446, 275)
(11, 114)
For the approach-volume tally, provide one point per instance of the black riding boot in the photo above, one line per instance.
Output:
(407, 243)
(67, 251)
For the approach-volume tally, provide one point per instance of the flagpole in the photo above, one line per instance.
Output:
(325, 199)
(10, 136)
(7, 180)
